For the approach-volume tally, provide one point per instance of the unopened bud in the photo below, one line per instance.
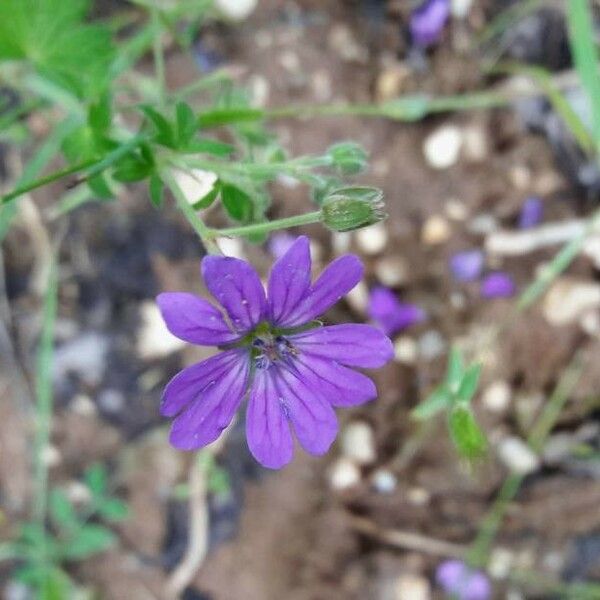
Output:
(348, 157)
(351, 208)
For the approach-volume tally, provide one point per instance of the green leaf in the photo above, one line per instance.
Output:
(89, 540)
(164, 130)
(100, 113)
(186, 123)
(113, 509)
(62, 510)
(132, 168)
(96, 479)
(207, 146)
(237, 203)
(157, 190)
(52, 36)
(436, 402)
(207, 200)
(50, 582)
(227, 116)
(100, 187)
(454, 373)
(468, 385)
(466, 434)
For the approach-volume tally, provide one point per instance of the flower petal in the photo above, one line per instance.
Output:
(334, 282)
(187, 385)
(193, 319)
(289, 281)
(338, 384)
(211, 412)
(267, 428)
(314, 420)
(236, 285)
(355, 345)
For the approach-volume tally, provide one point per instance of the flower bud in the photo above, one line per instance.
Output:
(350, 208)
(349, 158)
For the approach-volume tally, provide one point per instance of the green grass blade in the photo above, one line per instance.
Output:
(585, 57)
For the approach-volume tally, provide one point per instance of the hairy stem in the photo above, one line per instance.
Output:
(266, 227)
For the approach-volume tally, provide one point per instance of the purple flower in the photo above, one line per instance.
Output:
(293, 370)
(280, 242)
(467, 266)
(532, 212)
(462, 582)
(427, 22)
(497, 285)
(390, 314)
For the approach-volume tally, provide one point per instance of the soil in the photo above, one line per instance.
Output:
(292, 534)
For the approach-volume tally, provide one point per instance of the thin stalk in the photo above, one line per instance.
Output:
(488, 529)
(266, 227)
(44, 398)
(158, 54)
(198, 225)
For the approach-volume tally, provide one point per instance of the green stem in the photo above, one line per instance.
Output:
(488, 529)
(43, 390)
(267, 226)
(158, 55)
(204, 233)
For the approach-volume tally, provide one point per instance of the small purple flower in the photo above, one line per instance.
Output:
(467, 265)
(279, 243)
(390, 314)
(427, 22)
(462, 582)
(293, 370)
(532, 212)
(497, 285)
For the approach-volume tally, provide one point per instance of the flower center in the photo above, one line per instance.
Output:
(268, 349)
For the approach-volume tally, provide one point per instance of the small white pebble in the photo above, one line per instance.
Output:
(483, 224)
(442, 147)
(358, 443)
(406, 350)
(344, 474)
(418, 496)
(412, 587)
(77, 492)
(590, 323)
(372, 240)
(436, 230)
(196, 184)
(237, 10)
(51, 456)
(83, 405)
(456, 210)
(111, 400)
(233, 247)
(517, 456)
(496, 397)
(520, 177)
(431, 345)
(392, 271)
(384, 481)
(568, 299)
(358, 297)
(501, 562)
(461, 8)
(153, 338)
(475, 144)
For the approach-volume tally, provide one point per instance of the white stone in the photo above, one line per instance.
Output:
(456, 210)
(517, 456)
(412, 587)
(483, 224)
(237, 10)
(418, 496)
(77, 492)
(384, 481)
(111, 400)
(442, 147)
(496, 397)
(195, 184)
(475, 144)
(233, 247)
(406, 350)
(436, 230)
(590, 322)
(372, 240)
(358, 443)
(358, 297)
(51, 456)
(461, 8)
(568, 299)
(84, 406)
(153, 338)
(501, 562)
(84, 355)
(431, 344)
(392, 270)
(344, 474)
